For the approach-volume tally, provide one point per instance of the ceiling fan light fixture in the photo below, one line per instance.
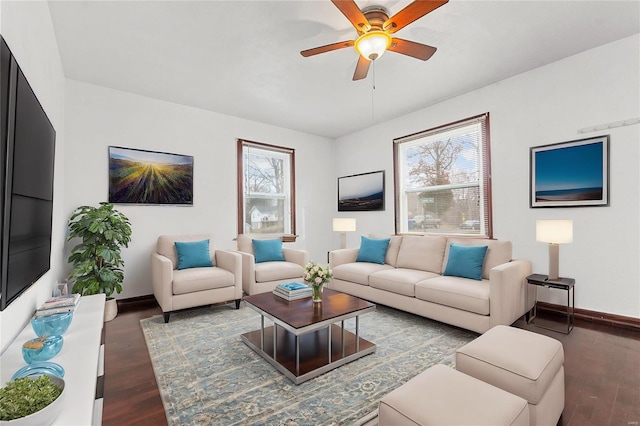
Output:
(373, 44)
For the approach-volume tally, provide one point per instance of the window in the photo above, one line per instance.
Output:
(443, 179)
(266, 189)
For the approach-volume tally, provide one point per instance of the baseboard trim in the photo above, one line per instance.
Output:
(593, 316)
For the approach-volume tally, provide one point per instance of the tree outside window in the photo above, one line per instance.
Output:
(265, 189)
(442, 179)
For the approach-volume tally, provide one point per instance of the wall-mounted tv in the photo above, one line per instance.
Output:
(26, 181)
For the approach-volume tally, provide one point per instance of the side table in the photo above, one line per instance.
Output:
(566, 284)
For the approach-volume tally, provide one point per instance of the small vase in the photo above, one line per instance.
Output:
(316, 293)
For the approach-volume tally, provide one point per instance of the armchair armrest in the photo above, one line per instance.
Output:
(248, 272)
(161, 280)
(508, 291)
(301, 257)
(232, 262)
(342, 256)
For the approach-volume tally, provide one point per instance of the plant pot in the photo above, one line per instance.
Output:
(110, 309)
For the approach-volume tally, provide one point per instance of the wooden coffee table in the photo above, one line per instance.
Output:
(304, 340)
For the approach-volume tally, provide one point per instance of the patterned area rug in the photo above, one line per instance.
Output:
(206, 375)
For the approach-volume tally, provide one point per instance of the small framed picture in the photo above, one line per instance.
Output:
(570, 174)
(362, 192)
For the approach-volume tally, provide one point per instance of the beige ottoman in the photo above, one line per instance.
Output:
(443, 396)
(521, 362)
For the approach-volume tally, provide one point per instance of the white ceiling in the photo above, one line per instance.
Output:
(242, 57)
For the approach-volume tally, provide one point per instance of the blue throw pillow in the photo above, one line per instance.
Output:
(193, 254)
(465, 261)
(268, 250)
(373, 250)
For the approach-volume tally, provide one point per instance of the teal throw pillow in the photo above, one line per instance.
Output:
(193, 254)
(373, 250)
(465, 261)
(268, 250)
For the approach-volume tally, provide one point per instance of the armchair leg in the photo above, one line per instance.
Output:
(238, 303)
(166, 316)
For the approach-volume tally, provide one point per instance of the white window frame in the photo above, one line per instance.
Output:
(483, 183)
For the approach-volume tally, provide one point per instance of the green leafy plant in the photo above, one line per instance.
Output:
(25, 396)
(97, 264)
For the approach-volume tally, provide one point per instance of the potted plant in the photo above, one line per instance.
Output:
(97, 264)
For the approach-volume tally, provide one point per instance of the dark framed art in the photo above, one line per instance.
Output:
(362, 192)
(138, 176)
(570, 174)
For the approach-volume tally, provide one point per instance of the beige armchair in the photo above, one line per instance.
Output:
(263, 277)
(176, 289)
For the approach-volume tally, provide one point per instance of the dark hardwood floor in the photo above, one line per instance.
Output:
(602, 372)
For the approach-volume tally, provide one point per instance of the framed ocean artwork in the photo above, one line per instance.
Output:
(570, 174)
(362, 192)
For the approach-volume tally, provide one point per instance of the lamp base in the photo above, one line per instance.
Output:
(554, 261)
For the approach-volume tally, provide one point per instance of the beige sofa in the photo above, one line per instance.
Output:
(263, 277)
(411, 279)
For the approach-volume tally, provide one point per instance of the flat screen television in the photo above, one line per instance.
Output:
(26, 178)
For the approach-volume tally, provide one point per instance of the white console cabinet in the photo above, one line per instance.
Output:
(82, 357)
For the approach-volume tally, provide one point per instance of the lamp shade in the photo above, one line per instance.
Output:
(373, 44)
(344, 224)
(554, 231)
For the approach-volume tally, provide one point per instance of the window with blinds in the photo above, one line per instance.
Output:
(443, 179)
(266, 189)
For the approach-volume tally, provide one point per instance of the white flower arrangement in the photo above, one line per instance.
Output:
(316, 274)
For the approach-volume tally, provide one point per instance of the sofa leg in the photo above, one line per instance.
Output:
(166, 316)
(238, 303)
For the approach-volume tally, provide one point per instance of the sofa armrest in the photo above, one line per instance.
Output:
(342, 256)
(301, 257)
(161, 281)
(232, 262)
(508, 291)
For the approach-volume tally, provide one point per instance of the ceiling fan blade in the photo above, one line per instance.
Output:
(327, 48)
(353, 13)
(362, 68)
(413, 11)
(411, 48)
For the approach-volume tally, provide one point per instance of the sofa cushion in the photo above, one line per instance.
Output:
(357, 272)
(166, 245)
(274, 271)
(400, 281)
(459, 293)
(268, 250)
(498, 252)
(373, 250)
(199, 279)
(425, 253)
(465, 261)
(193, 254)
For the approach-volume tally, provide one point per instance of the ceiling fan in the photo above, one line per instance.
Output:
(374, 29)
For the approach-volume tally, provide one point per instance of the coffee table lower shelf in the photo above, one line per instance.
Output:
(314, 349)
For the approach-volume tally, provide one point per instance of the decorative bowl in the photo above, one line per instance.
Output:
(41, 348)
(38, 369)
(52, 325)
(45, 416)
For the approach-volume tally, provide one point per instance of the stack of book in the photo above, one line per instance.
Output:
(292, 291)
(58, 305)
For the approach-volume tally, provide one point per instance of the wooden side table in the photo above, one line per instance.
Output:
(566, 284)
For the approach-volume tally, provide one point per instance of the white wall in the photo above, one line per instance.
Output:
(27, 28)
(543, 106)
(98, 117)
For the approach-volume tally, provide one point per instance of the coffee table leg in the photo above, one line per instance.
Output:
(329, 342)
(358, 334)
(262, 332)
(275, 330)
(342, 339)
(297, 355)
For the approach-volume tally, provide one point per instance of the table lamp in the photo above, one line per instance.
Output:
(554, 232)
(344, 225)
